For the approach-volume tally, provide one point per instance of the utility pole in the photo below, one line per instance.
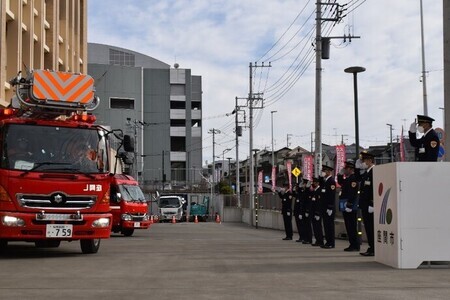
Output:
(392, 146)
(446, 42)
(318, 134)
(288, 137)
(318, 94)
(250, 109)
(424, 72)
(273, 155)
(214, 132)
(238, 131)
(342, 138)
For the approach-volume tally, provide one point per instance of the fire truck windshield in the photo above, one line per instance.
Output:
(36, 148)
(131, 193)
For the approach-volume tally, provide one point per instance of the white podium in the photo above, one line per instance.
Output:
(412, 213)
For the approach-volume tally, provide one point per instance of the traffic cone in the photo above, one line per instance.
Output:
(196, 219)
(218, 218)
(174, 220)
(151, 219)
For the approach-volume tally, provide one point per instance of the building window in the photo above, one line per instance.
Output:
(177, 105)
(177, 123)
(121, 103)
(121, 58)
(178, 144)
(177, 90)
(196, 105)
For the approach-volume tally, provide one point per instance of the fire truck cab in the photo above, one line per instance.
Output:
(128, 205)
(54, 163)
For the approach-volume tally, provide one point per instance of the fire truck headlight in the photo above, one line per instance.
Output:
(126, 217)
(12, 221)
(101, 223)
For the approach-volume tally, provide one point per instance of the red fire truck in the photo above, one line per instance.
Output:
(55, 163)
(128, 205)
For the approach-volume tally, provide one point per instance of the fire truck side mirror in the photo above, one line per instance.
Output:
(128, 143)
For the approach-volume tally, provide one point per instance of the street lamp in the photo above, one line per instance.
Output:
(355, 71)
(229, 171)
(392, 147)
(223, 156)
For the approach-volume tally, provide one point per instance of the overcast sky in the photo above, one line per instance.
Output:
(218, 40)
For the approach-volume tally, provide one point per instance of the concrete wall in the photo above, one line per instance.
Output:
(273, 219)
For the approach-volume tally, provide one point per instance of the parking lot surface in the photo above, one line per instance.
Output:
(209, 261)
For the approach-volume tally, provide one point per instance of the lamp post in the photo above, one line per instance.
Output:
(223, 157)
(392, 147)
(229, 171)
(355, 71)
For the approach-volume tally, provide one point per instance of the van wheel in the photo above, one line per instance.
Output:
(90, 246)
(128, 231)
(47, 244)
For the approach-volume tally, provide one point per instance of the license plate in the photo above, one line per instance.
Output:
(137, 224)
(59, 230)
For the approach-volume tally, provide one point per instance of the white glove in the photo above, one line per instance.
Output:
(349, 210)
(300, 217)
(288, 214)
(413, 127)
(358, 164)
(329, 212)
(306, 215)
(317, 218)
(370, 210)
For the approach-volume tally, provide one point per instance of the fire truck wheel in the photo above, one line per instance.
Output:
(90, 246)
(47, 244)
(127, 231)
(3, 245)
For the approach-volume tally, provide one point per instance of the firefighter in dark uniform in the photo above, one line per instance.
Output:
(286, 211)
(328, 198)
(315, 212)
(349, 195)
(366, 163)
(299, 212)
(427, 147)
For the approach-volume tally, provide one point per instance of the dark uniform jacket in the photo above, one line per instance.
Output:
(427, 147)
(286, 202)
(316, 205)
(329, 193)
(366, 189)
(349, 189)
(301, 200)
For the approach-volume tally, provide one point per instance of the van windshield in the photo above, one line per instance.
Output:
(169, 202)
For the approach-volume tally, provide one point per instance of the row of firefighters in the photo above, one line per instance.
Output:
(314, 205)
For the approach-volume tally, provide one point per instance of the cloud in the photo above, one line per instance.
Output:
(218, 40)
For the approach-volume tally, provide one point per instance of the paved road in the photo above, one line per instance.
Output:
(209, 261)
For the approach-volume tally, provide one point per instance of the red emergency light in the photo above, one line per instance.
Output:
(84, 118)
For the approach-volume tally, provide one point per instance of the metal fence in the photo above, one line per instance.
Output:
(265, 201)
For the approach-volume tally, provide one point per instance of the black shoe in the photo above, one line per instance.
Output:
(326, 246)
(367, 253)
(306, 242)
(351, 249)
(287, 239)
(299, 241)
(316, 245)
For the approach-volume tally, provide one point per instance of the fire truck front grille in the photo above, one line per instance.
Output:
(56, 201)
(137, 217)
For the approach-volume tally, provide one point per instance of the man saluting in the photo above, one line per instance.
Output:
(427, 147)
